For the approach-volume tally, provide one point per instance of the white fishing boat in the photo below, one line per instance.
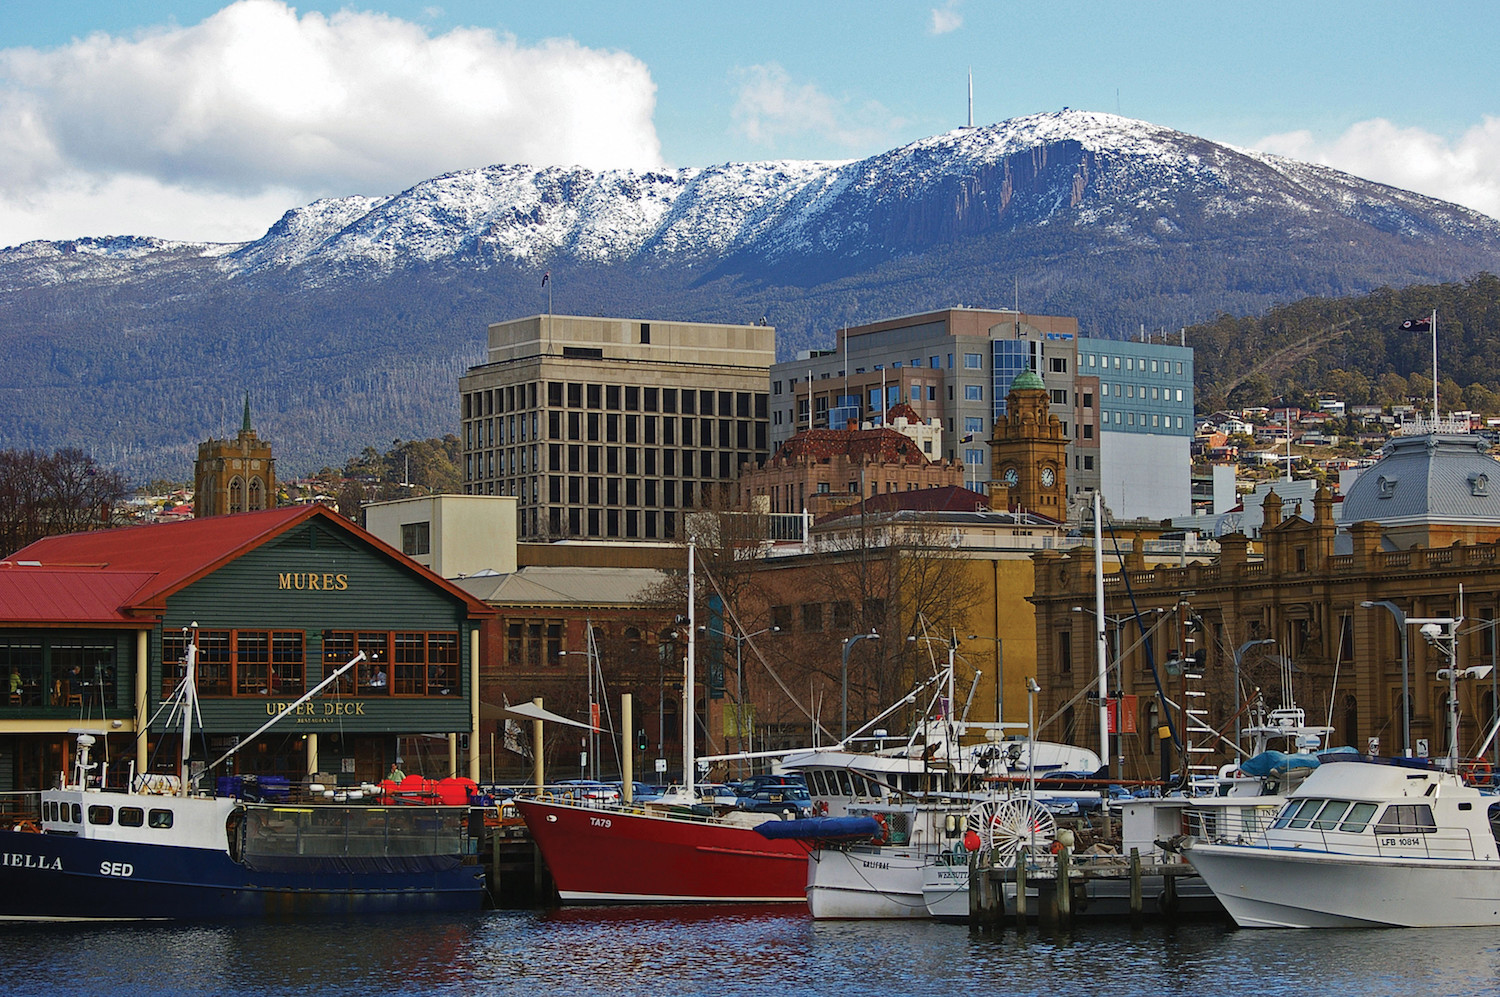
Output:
(1364, 842)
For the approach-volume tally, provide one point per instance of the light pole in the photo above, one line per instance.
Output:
(1239, 656)
(739, 690)
(844, 680)
(1400, 616)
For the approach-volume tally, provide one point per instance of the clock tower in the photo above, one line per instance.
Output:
(1028, 452)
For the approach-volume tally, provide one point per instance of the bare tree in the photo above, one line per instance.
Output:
(44, 495)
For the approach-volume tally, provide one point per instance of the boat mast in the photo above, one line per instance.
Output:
(189, 704)
(1102, 645)
(689, 705)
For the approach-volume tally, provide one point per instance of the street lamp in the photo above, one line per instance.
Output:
(739, 691)
(844, 684)
(1239, 656)
(1400, 616)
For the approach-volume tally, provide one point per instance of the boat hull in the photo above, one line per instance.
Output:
(1284, 888)
(599, 856)
(867, 882)
(50, 876)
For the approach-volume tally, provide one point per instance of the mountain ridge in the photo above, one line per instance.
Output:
(343, 310)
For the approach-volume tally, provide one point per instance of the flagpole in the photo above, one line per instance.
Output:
(1434, 372)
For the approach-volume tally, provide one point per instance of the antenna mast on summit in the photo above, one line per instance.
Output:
(971, 96)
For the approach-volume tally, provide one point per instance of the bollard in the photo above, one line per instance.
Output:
(1136, 903)
(1064, 886)
(1021, 888)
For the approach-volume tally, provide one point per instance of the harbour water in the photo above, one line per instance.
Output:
(723, 952)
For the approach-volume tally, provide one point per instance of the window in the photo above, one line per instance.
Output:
(1059, 365)
(1406, 818)
(1059, 396)
(239, 662)
(973, 392)
(973, 424)
(781, 617)
(132, 817)
(973, 456)
(426, 664)
(159, 819)
(1358, 816)
(812, 617)
(101, 814)
(974, 361)
(1064, 651)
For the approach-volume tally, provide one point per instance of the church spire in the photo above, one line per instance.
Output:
(245, 423)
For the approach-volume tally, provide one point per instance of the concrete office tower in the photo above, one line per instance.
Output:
(608, 427)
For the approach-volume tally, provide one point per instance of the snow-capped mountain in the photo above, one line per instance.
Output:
(353, 315)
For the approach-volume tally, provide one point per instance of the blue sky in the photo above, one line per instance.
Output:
(206, 120)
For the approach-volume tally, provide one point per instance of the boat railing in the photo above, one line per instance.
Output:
(1235, 825)
(1455, 844)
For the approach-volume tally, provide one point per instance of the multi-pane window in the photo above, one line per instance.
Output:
(238, 662)
(426, 664)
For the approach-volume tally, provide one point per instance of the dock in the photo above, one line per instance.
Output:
(1055, 888)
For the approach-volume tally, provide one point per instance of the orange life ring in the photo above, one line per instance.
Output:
(883, 835)
(1480, 770)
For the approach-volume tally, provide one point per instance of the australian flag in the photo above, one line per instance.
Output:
(1417, 325)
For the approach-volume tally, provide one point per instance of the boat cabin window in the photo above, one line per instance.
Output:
(77, 813)
(101, 815)
(132, 816)
(1328, 817)
(1297, 813)
(845, 786)
(815, 780)
(1406, 818)
(1358, 818)
(160, 818)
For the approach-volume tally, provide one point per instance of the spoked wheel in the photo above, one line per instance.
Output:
(1004, 826)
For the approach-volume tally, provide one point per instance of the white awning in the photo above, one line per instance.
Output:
(533, 712)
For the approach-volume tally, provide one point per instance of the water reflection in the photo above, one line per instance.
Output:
(726, 952)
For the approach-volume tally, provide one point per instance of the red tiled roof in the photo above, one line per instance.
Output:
(945, 498)
(164, 557)
(883, 445)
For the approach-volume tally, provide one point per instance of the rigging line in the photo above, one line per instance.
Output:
(1176, 735)
(750, 640)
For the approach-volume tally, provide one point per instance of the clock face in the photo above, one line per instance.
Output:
(1011, 477)
(1048, 477)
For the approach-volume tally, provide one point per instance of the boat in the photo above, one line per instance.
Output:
(672, 849)
(1364, 842)
(161, 849)
(924, 790)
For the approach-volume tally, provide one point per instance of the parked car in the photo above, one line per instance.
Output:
(587, 791)
(718, 794)
(791, 801)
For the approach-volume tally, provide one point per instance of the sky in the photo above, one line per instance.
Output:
(205, 120)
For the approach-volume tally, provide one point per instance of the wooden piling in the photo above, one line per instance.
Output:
(1064, 886)
(1021, 888)
(1136, 903)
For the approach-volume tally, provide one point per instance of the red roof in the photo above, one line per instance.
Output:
(35, 595)
(882, 445)
(165, 557)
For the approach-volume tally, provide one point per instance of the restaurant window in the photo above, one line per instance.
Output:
(426, 664)
(416, 538)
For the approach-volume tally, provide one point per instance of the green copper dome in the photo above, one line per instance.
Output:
(1027, 380)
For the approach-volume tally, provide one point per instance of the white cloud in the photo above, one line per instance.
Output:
(1460, 170)
(771, 107)
(208, 124)
(946, 18)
